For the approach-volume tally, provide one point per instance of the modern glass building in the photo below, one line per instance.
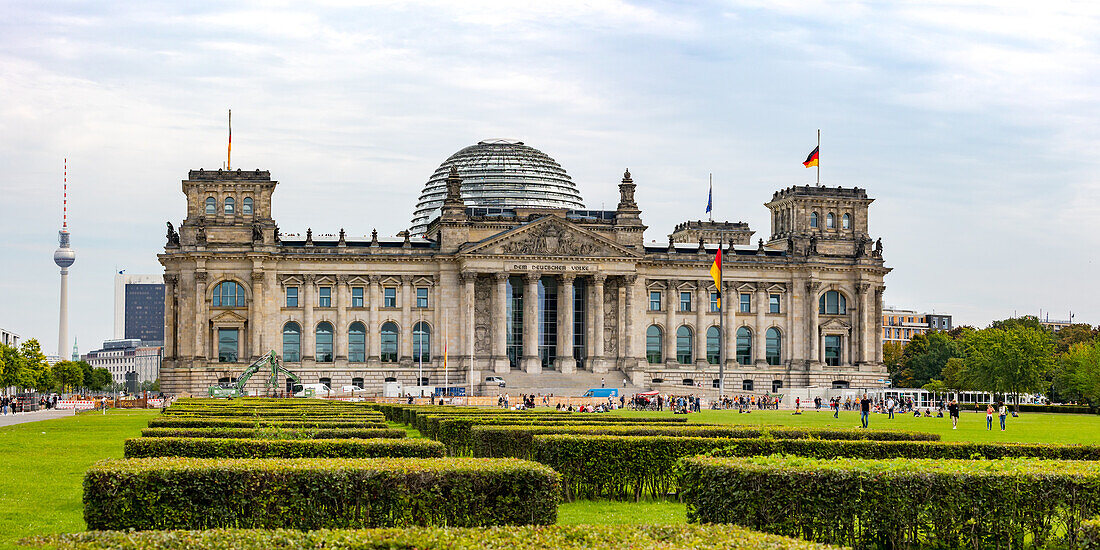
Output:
(499, 173)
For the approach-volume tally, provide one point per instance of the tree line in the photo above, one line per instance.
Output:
(25, 367)
(1017, 355)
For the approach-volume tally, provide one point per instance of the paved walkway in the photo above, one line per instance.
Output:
(10, 419)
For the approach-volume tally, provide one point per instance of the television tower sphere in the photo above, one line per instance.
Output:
(64, 256)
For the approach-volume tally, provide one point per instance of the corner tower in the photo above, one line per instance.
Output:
(820, 220)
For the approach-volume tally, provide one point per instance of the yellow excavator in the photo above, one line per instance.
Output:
(268, 362)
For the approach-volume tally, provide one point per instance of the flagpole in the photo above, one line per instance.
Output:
(721, 332)
(819, 156)
(229, 148)
(420, 350)
(710, 201)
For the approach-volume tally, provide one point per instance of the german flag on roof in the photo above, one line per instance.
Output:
(811, 160)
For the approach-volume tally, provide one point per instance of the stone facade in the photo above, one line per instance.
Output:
(356, 310)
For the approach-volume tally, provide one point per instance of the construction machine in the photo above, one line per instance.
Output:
(268, 362)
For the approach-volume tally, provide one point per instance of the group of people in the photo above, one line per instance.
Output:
(15, 405)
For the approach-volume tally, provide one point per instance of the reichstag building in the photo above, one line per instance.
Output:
(504, 260)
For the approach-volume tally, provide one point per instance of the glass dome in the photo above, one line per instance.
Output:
(499, 173)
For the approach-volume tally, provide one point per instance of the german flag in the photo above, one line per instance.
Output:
(716, 274)
(811, 160)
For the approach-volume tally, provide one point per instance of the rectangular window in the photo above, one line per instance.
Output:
(227, 345)
(685, 301)
(746, 303)
(389, 297)
(291, 296)
(324, 297)
(357, 296)
(773, 303)
(714, 301)
(832, 350)
(421, 298)
(654, 301)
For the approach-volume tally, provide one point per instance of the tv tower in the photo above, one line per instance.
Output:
(64, 257)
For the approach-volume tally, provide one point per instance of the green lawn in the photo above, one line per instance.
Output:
(1028, 428)
(43, 463)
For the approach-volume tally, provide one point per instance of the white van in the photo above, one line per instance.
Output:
(313, 390)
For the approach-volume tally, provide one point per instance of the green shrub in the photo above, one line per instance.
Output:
(898, 503)
(429, 424)
(516, 441)
(274, 432)
(455, 431)
(1088, 535)
(164, 422)
(620, 467)
(1068, 409)
(555, 537)
(149, 447)
(196, 493)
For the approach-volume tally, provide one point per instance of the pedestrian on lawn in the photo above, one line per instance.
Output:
(1003, 412)
(864, 410)
(953, 408)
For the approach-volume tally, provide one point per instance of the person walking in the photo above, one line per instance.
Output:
(890, 407)
(864, 410)
(603, 384)
(953, 408)
(989, 417)
(1002, 411)
(836, 407)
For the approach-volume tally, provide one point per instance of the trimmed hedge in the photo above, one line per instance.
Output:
(196, 493)
(620, 467)
(516, 441)
(148, 447)
(455, 431)
(899, 503)
(555, 537)
(278, 433)
(162, 422)
(428, 424)
(1088, 535)
(1066, 409)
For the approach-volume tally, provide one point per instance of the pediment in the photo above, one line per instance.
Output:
(776, 288)
(550, 237)
(292, 280)
(836, 323)
(229, 317)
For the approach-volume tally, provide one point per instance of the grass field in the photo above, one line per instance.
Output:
(43, 463)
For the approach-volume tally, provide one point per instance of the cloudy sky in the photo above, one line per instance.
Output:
(975, 127)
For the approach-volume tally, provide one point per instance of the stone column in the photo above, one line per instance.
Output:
(759, 349)
(404, 341)
(271, 317)
(702, 304)
(630, 360)
(469, 333)
(202, 323)
(566, 364)
(340, 331)
(531, 361)
(813, 339)
(596, 357)
(309, 330)
(438, 331)
(878, 318)
(729, 339)
(256, 315)
(170, 316)
(672, 299)
(374, 335)
(499, 358)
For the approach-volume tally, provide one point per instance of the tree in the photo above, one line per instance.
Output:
(67, 375)
(1073, 334)
(1009, 360)
(35, 373)
(891, 357)
(1079, 372)
(11, 362)
(954, 375)
(1029, 321)
(926, 355)
(100, 379)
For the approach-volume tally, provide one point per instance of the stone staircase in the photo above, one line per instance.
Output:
(554, 382)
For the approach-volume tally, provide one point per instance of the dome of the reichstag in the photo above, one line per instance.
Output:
(499, 173)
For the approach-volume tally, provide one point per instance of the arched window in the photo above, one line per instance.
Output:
(773, 346)
(324, 342)
(357, 343)
(422, 342)
(714, 341)
(246, 206)
(683, 345)
(744, 346)
(832, 303)
(292, 342)
(846, 221)
(229, 205)
(228, 294)
(389, 342)
(830, 220)
(813, 219)
(653, 344)
(211, 206)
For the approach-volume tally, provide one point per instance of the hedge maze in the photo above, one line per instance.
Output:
(311, 473)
